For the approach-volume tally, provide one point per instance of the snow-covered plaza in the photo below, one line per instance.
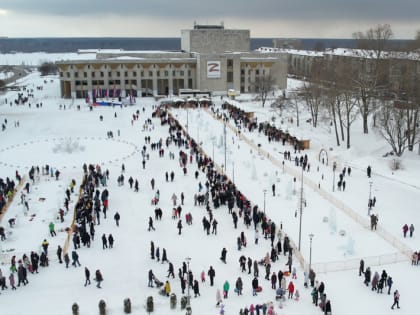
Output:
(67, 138)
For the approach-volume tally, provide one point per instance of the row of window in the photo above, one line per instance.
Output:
(122, 66)
(111, 83)
(257, 72)
(126, 74)
(162, 84)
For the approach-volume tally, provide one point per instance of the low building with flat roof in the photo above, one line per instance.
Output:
(212, 59)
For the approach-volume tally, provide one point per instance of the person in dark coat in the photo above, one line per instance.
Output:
(327, 308)
(66, 259)
(254, 286)
(151, 227)
(314, 295)
(110, 241)
(20, 274)
(164, 257)
(289, 263)
(87, 276)
(361, 267)
(367, 276)
(171, 270)
(117, 218)
(211, 273)
(179, 226)
(151, 278)
(98, 278)
(312, 276)
(273, 281)
(223, 255)
(389, 283)
(104, 241)
(196, 288)
(369, 171)
(239, 286)
(59, 251)
(152, 250)
(75, 258)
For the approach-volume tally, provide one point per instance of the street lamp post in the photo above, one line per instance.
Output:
(265, 191)
(334, 167)
(188, 307)
(300, 210)
(233, 171)
(224, 132)
(187, 119)
(370, 197)
(310, 250)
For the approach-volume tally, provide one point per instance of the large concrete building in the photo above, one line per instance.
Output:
(212, 58)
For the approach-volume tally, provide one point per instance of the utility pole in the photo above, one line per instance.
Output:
(224, 132)
(188, 308)
(310, 250)
(265, 191)
(301, 210)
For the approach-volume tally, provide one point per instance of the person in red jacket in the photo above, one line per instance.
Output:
(291, 289)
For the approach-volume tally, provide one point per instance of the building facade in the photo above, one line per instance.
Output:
(212, 59)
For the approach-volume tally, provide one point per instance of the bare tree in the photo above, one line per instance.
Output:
(375, 41)
(391, 127)
(48, 68)
(371, 75)
(263, 84)
(406, 91)
(312, 90)
(295, 99)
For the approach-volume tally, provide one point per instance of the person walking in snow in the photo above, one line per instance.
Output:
(117, 218)
(87, 276)
(211, 273)
(291, 289)
(361, 267)
(59, 251)
(396, 299)
(52, 229)
(98, 278)
(66, 259)
(218, 297)
(226, 289)
(151, 227)
(151, 277)
(167, 288)
(389, 283)
(239, 286)
(75, 258)
(196, 288)
(174, 199)
(179, 226)
(411, 229)
(405, 230)
(254, 286)
(104, 241)
(110, 241)
(223, 255)
(171, 270)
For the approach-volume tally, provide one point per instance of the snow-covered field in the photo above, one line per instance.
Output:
(41, 139)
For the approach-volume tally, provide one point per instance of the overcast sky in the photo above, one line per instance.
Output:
(165, 18)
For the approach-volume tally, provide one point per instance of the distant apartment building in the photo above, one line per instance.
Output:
(212, 58)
